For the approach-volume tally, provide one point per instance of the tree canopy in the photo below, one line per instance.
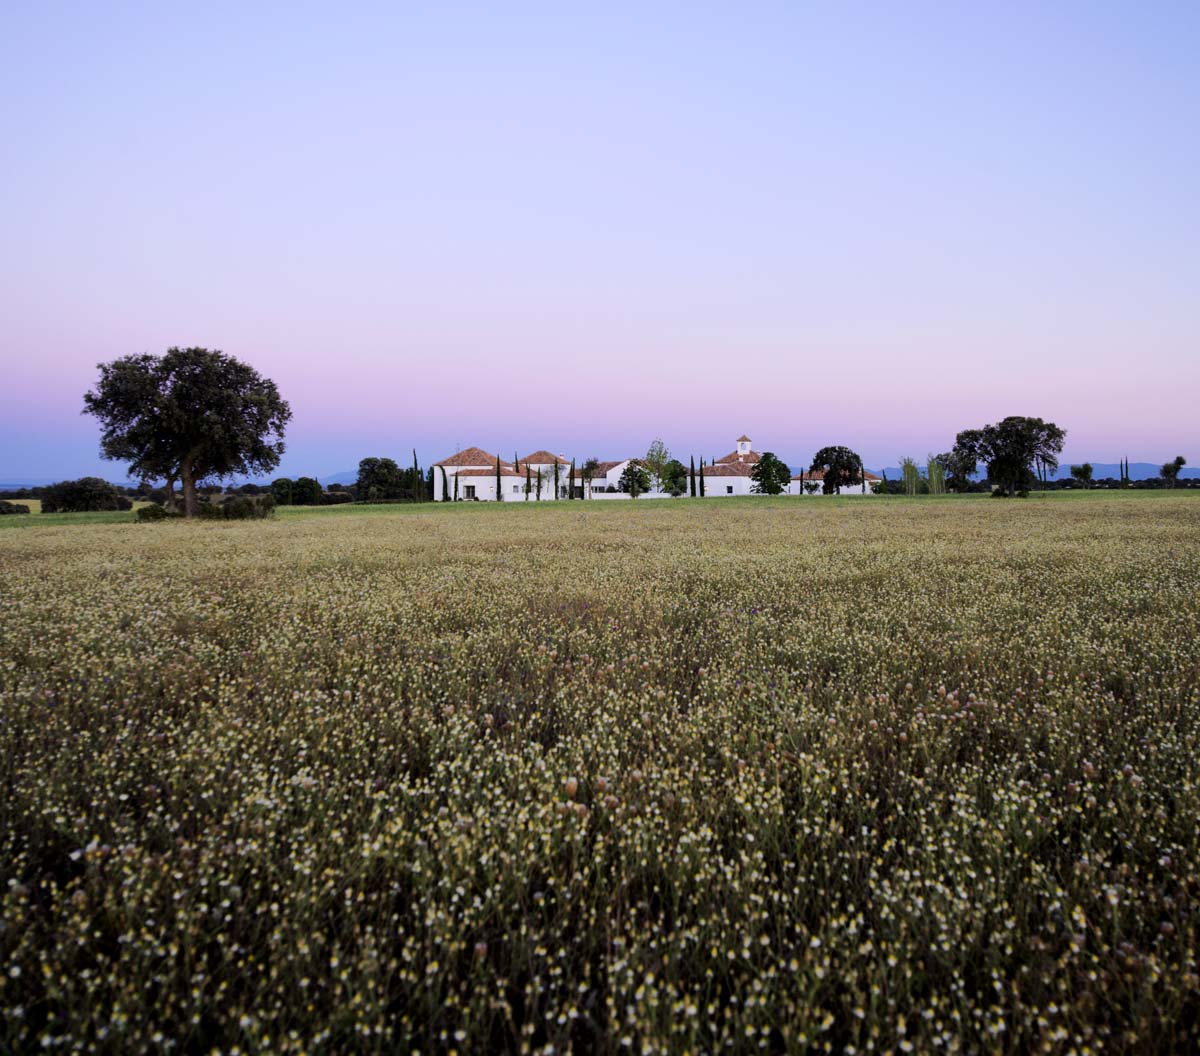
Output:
(378, 479)
(1083, 473)
(1011, 450)
(655, 463)
(675, 478)
(770, 475)
(634, 479)
(188, 414)
(1170, 470)
(841, 466)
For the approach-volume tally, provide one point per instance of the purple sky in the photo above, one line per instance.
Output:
(525, 226)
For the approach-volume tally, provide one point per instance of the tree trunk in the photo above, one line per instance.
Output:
(171, 502)
(189, 488)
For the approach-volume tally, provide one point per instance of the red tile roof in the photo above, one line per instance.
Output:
(729, 469)
(505, 471)
(471, 456)
(743, 439)
(544, 458)
(733, 456)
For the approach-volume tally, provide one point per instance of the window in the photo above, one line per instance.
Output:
(470, 489)
(516, 489)
(728, 489)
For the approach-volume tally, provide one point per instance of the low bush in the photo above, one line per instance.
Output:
(81, 496)
(155, 512)
(336, 498)
(11, 507)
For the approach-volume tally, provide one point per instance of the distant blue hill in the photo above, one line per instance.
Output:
(1100, 471)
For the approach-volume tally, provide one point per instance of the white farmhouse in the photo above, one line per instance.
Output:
(731, 475)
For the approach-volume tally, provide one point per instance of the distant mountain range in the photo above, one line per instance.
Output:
(1100, 471)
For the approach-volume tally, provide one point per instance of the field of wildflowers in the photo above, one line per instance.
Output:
(850, 776)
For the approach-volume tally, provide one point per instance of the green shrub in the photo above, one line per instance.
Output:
(83, 495)
(155, 512)
(11, 507)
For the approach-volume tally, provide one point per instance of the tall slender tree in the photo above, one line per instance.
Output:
(499, 486)
(528, 482)
(692, 477)
(416, 479)
(571, 481)
(702, 478)
(445, 486)
(556, 480)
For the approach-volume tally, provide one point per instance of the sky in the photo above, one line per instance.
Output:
(583, 226)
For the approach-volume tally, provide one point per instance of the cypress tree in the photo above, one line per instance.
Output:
(692, 476)
(885, 483)
(701, 478)
(499, 492)
(527, 482)
(445, 485)
(571, 481)
(456, 487)
(555, 480)
(416, 483)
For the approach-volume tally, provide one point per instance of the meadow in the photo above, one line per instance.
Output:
(860, 775)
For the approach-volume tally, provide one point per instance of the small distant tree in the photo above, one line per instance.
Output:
(961, 463)
(556, 487)
(445, 485)
(306, 492)
(1083, 474)
(655, 463)
(1170, 470)
(634, 480)
(675, 480)
(691, 476)
(770, 476)
(590, 468)
(281, 489)
(571, 481)
(528, 482)
(701, 481)
(911, 474)
(936, 473)
(379, 480)
(840, 466)
(499, 485)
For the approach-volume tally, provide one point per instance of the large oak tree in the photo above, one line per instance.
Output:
(188, 415)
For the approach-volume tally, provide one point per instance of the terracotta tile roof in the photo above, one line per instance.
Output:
(471, 456)
(733, 456)
(604, 468)
(544, 458)
(743, 439)
(729, 469)
(505, 471)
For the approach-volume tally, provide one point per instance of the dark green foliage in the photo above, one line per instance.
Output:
(379, 480)
(188, 414)
(841, 466)
(154, 512)
(701, 478)
(634, 479)
(692, 476)
(571, 481)
(445, 485)
(1083, 473)
(1012, 450)
(675, 478)
(770, 476)
(306, 492)
(7, 507)
(1170, 470)
(499, 484)
(336, 498)
(83, 495)
(281, 489)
